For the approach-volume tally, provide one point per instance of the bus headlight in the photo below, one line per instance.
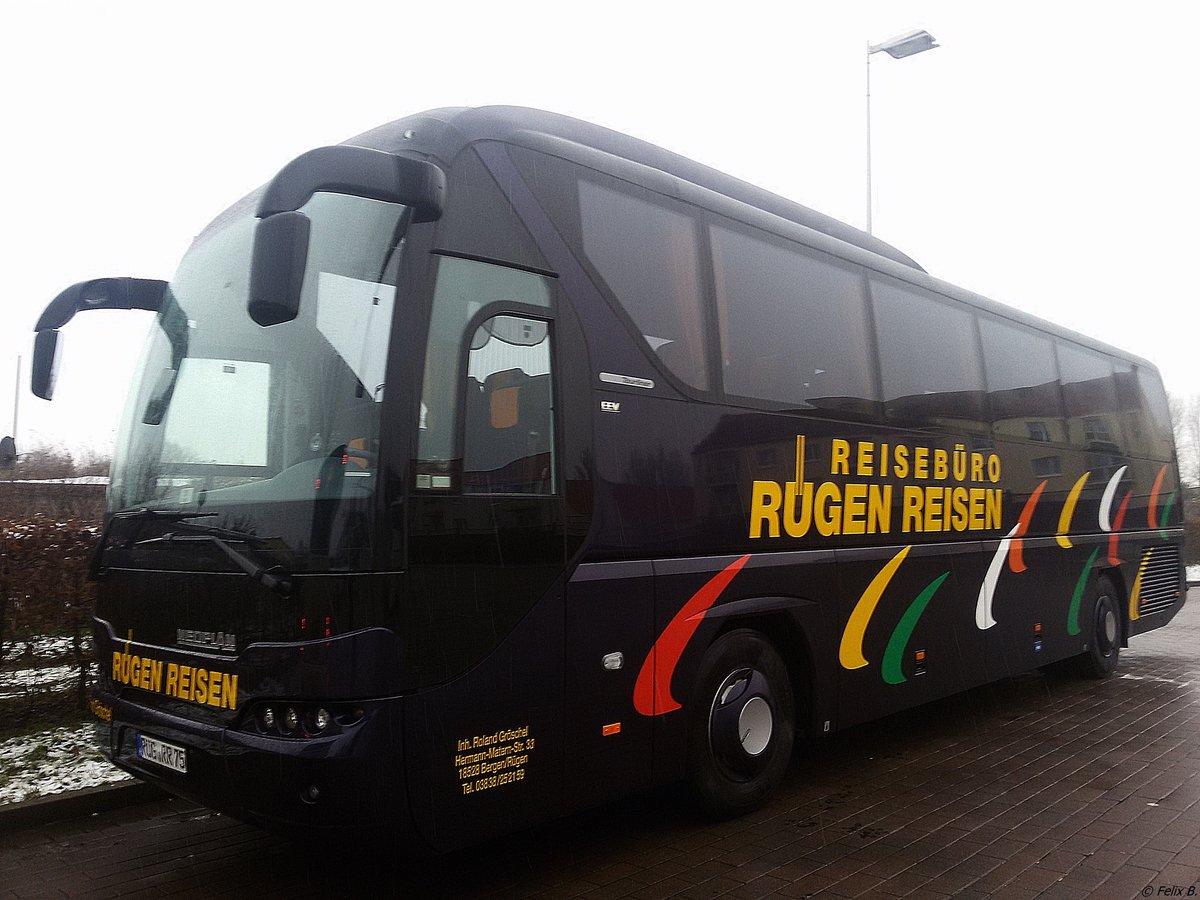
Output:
(302, 720)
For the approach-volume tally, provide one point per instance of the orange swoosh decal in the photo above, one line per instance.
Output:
(1016, 559)
(1152, 512)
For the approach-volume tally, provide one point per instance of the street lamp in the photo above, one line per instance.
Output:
(909, 44)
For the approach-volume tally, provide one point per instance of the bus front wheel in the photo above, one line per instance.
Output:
(742, 725)
(1104, 646)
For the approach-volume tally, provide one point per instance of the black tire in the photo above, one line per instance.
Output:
(742, 725)
(1104, 635)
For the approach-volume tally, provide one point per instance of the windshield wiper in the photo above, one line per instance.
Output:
(274, 578)
(140, 516)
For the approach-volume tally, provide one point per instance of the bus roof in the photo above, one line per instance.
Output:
(534, 127)
(444, 133)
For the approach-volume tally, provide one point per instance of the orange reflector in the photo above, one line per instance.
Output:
(920, 656)
(1037, 629)
(610, 730)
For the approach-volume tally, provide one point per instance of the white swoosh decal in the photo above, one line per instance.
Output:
(987, 590)
(1107, 500)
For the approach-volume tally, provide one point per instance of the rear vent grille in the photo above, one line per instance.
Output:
(1158, 584)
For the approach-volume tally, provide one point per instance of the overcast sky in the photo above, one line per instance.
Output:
(1044, 155)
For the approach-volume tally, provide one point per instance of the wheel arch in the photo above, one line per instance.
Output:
(780, 620)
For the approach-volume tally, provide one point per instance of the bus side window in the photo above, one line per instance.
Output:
(647, 254)
(508, 444)
(1024, 391)
(463, 287)
(1092, 408)
(929, 359)
(793, 325)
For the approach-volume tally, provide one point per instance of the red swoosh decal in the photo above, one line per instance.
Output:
(1113, 559)
(1016, 550)
(652, 692)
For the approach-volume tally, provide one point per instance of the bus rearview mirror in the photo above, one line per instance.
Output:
(281, 237)
(99, 293)
(277, 267)
(45, 363)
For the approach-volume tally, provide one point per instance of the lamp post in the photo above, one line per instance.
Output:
(909, 44)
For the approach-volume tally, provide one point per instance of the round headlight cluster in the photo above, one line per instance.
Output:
(303, 720)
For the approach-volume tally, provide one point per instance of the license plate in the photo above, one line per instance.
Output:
(162, 754)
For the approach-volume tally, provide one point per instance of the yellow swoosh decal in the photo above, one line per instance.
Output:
(1068, 510)
(1135, 595)
(850, 653)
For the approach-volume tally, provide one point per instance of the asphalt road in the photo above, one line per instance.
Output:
(1042, 786)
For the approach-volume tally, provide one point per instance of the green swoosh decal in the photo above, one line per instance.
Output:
(894, 654)
(1167, 513)
(1073, 612)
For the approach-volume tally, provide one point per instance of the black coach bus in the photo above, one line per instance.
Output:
(493, 465)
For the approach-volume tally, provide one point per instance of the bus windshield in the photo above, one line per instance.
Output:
(275, 428)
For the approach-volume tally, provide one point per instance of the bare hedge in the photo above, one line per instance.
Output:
(45, 615)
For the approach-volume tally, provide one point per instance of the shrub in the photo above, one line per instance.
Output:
(45, 612)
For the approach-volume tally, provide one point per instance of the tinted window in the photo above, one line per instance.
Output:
(927, 356)
(793, 325)
(1154, 415)
(463, 288)
(1022, 380)
(647, 256)
(1090, 398)
(508, 435)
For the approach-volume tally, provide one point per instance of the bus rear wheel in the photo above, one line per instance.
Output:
(742, 726)
(1104, 646)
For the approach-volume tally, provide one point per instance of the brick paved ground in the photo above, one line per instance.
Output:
(1044, 786)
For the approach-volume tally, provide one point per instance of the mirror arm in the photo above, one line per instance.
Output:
(361, 171)
(102, 293)
(99, 293)
(281, 236)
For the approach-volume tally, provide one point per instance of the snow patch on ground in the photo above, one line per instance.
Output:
(51, 762)
(19, 682)
(42, 648)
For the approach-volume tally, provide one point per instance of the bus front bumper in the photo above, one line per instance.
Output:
(348, 781)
